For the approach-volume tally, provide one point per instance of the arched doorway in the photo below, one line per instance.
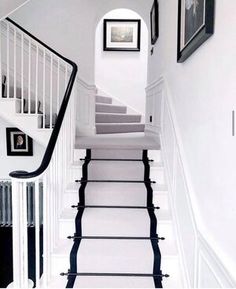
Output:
(122, 75)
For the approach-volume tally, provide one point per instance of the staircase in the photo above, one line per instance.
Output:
(112, 118)
(33, 82)
(112, 229)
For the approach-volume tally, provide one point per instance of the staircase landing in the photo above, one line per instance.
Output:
(119, 141)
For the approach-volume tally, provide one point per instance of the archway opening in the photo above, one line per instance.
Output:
(121, 74)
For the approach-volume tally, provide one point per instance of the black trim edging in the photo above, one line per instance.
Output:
(78, 222)
(153, 223)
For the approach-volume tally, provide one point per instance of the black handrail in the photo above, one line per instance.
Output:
(56, 130)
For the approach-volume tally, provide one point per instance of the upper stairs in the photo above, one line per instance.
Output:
(113, 118)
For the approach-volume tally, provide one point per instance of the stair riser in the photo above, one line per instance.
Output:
(170, 265)
(110, 172)
(119, 128)
(67, 228)
(115, 118)
(111, 109)
(103, 170)
(103, 99)
(78, 154)
(160, 199)
(75, 173)
(117, 154)
(71, 198)
(60, 263)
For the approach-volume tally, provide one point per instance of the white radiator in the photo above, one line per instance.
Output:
(6, 204)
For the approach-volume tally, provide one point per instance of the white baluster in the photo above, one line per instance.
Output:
(36, 79)
(22, 73)
(1, 59)
(8, 61)
(58, 83)
(37, 234)
(29, 78)
(44, 86)
(51, 89)
(20, 234)
(46, 232)
(15, 34)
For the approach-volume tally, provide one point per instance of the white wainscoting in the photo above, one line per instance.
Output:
(85, 108)
(201, 266)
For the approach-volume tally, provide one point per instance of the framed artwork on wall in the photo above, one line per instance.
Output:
(154, 20)
(195, 25)
(18, 143)
(121, 34)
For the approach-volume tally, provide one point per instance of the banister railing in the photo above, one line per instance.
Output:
(48, 153)
(52, 171)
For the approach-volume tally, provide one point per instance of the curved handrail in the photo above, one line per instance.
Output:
(56, 130)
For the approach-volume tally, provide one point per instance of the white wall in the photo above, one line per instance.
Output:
(9, 6)
(13, 163)
(122, 74)
(203, 91)
(69, 25)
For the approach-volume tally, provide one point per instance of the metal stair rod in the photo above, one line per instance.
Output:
(114, 207)
(115, 238)
(120, 160)
(114, 181)
(115, 275)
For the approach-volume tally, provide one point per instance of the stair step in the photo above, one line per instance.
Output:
(67, 223)
(115, 222)
(60, 255)
(103, 99)
(116, 170)
(115, 256)
(109, 128)
(117, 118)
(110, 108)
(115, 194)
(116, 153)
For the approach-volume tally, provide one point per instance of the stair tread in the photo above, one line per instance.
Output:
(112, 113)
(114, 282)
(115, 256)
(128, 141)
(119, 124)
(74, 187)
(168, 248)
(69, 214)
(109, 104)
(116, 170)
(103, 99)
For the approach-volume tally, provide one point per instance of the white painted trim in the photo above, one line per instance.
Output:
(86, 84)
(204, 247)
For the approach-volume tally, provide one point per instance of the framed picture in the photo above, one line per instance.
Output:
(154, 20)
(121, 35)
(195, 25)
(18, 143)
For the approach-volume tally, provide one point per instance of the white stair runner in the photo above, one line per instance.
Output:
(115, 255)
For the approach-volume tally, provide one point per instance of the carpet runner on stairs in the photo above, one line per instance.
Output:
(115, 240)
(112, 118)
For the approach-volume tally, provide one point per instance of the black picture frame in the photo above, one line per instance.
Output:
(154, 22)
(129, 42)
(195, 26)
(18, 143)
